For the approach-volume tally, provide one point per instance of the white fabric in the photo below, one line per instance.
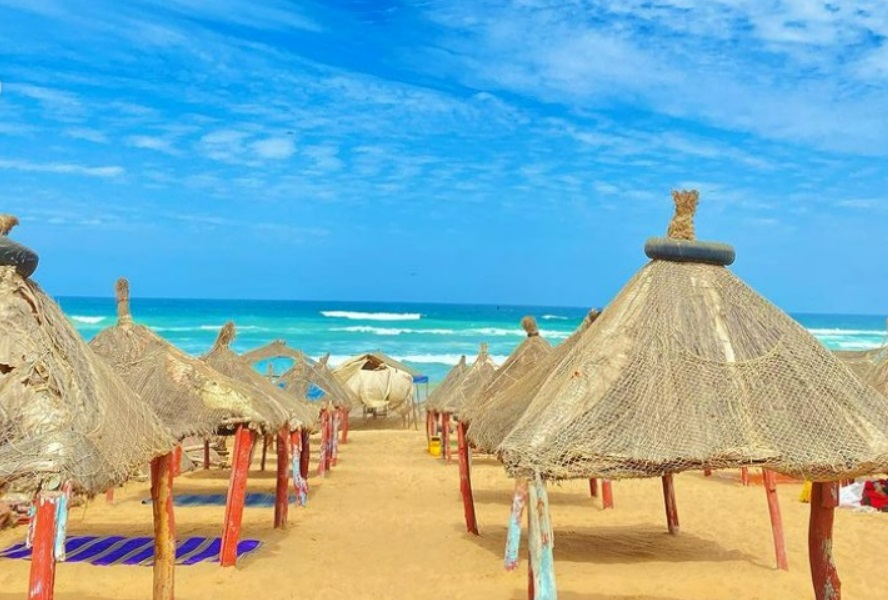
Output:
(850, 495)
(379, 388)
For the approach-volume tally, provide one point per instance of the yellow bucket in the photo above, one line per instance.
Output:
(805, 496)
(435, 446)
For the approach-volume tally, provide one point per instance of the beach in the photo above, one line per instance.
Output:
(387, 523)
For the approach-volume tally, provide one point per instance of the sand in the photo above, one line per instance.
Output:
(387, 523)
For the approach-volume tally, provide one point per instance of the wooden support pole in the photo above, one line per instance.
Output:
(177, 460)
(109, 495)
(282, 491)
(824, 499)
(42, 582)
(206, 461)
(744, 476)
(769, 479)
(305, 454)
(607, 494)
(328, 453)
(237, 491)
(344, 439)
(164, 526)
(593, 487)
(465, 478)
(445, 436)
(707, 472)
(531, 591)
(671, 507)
(264, 458)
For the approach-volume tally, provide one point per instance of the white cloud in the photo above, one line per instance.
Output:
(63, 168)
(148, 142)
(274, 148)
(90, 135)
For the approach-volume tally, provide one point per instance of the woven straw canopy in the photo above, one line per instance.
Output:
(492, 421)
(222, 358)
(871, 366)
(690, 368)
(522, 360)
(475, 379)
(448, 384)
(64, 414)
(188, 395)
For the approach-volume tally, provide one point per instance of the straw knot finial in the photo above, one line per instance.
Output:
(122, 291)
(483, 351)
(591, 316)
(7, 222)
(462, 360)
(530, 326)
(226, 334)
(681, 227)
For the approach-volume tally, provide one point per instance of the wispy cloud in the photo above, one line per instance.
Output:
(84, 133)
(61, 168)
(274, 148)
(148, 142)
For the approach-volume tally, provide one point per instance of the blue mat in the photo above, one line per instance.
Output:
(255, 500)
(118, 550)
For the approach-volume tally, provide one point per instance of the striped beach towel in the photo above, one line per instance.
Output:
(253, 500)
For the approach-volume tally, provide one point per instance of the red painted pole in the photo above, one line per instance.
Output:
(42, 583)
(769, 479)
(282, 492)
(824, 499)
(206, 454)
(707, 472)
(237, 491)
(744, 476)
(465, 479)
(671, 507)
(607, 494)
(109, 495)
(593, 487)
(264, 453)
(305, 454)
(164, 527)
(445, 436)
(328, 454)
(531, 591)
(177, 460)
(344, 439)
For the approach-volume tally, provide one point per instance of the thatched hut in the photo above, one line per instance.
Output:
(379, 381)
(688, 369)
(439, 394)
(469, 385)
(69, 424)
(189, 397)
(528, 354)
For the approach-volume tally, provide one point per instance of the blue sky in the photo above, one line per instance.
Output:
(450, 150)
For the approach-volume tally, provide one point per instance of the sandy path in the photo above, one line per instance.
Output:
(387, 523)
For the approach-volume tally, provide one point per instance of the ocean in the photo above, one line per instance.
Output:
(429, 337)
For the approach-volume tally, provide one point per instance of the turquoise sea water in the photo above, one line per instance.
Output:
(430, 337)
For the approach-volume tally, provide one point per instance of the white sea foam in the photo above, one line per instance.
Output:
(840, 332)
(857, 345)
(88, 320)
(555, 318)
(368, 316)
(392, 330)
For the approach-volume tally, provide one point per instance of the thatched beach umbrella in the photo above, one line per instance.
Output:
(189, 396)
(871, 366)
(528, 354)
(301, 416)
(68, 424)
(469, 385)
(688, 368)
(436, 399)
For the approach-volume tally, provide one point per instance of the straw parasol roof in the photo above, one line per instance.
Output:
(445, 388)
(273, 349)
(475, 379)
(492, 421)
(690, 368)
(306, 371)
(190, 397)
(222, 358)
(524, 358)
(871, 366)
(65, 416)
